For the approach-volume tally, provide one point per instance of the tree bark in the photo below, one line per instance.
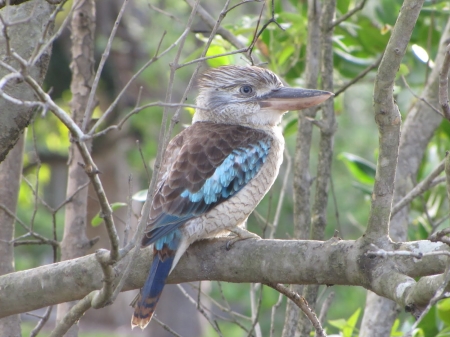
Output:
(302, 176)
(22, 38)
(419, 127)
(10, 175)
(75, 242)
(340, 262)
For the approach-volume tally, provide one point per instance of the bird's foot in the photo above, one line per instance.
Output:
(241, 234)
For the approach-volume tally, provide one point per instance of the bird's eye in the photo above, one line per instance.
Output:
(246, 90)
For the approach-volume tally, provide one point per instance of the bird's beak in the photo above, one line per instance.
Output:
(285, 99)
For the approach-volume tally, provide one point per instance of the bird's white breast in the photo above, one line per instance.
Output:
(235, 211)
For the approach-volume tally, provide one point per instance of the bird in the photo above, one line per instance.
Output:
(216, 171)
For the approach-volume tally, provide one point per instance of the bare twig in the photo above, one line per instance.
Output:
(89, 105)
(200, 309)
(42, 46)
(136, 110)
(420, 188)
(302, 304)
(272, 315)
(325, 307)
(263, 28)
(165, 327)
(348, 14)
(226, 34)
(41, 322)
(443, 84)
(384, 253)
(439, 294)
(361, 75)
(421, 98)
(281, 194)
(136, 75)
(255, 307)
(129, 207)
(73, 315)
(441, 236)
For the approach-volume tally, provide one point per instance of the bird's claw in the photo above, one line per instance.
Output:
(241, 234)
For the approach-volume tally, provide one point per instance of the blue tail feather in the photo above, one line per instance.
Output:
(152, 290)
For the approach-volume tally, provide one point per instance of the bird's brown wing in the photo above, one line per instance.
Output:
(191, 159)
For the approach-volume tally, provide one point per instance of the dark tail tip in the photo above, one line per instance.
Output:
(143, 312)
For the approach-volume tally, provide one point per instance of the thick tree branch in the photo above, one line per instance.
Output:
(419, 126)
(10, 174)
(75, 242)
(302, 177)
(32, 16)
(388, 119)
(268, 261)
(326, 145)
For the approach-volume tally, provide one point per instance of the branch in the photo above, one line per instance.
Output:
(420, 188)
(340, 262)
(302, 304)
(90, 103)
(347, 15)
(226, 34)
(443, 84)
(388, 119)
(361, 75)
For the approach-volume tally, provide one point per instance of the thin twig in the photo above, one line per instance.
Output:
(129, 207)
(255, 309)
(200, 309)
(136, 110)
(282, 194)
(439, 294)
(272, 315)
(166, 327)
(348, 14)
(325, 307)
(302, 304)
(89, 106)
(421, 98)
(136, 75)
(41, 322)
(443, 84)
(361, 75)
(420, 188)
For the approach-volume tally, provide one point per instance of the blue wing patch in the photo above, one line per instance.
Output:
(232, 175)
(237, 169)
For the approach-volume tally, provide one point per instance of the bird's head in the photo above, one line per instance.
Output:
(249, 96)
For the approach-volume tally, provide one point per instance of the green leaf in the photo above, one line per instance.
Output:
(428, 323)
(363, 188)
(98, 218)
(291, 127)
(360, 168)
(443, 311)
(140, 196)
(116, 205)
(285, 54)
(219, 61)
(351, 323)
(403, 70)
(338, 323)
(394, 331)
(444, 333)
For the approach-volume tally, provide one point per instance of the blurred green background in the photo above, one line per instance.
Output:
(358, 43)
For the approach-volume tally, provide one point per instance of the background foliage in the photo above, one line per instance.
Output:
(358, 43)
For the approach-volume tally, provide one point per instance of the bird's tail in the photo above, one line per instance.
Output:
(153, 287)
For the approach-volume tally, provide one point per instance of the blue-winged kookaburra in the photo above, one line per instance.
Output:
(215, 172)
